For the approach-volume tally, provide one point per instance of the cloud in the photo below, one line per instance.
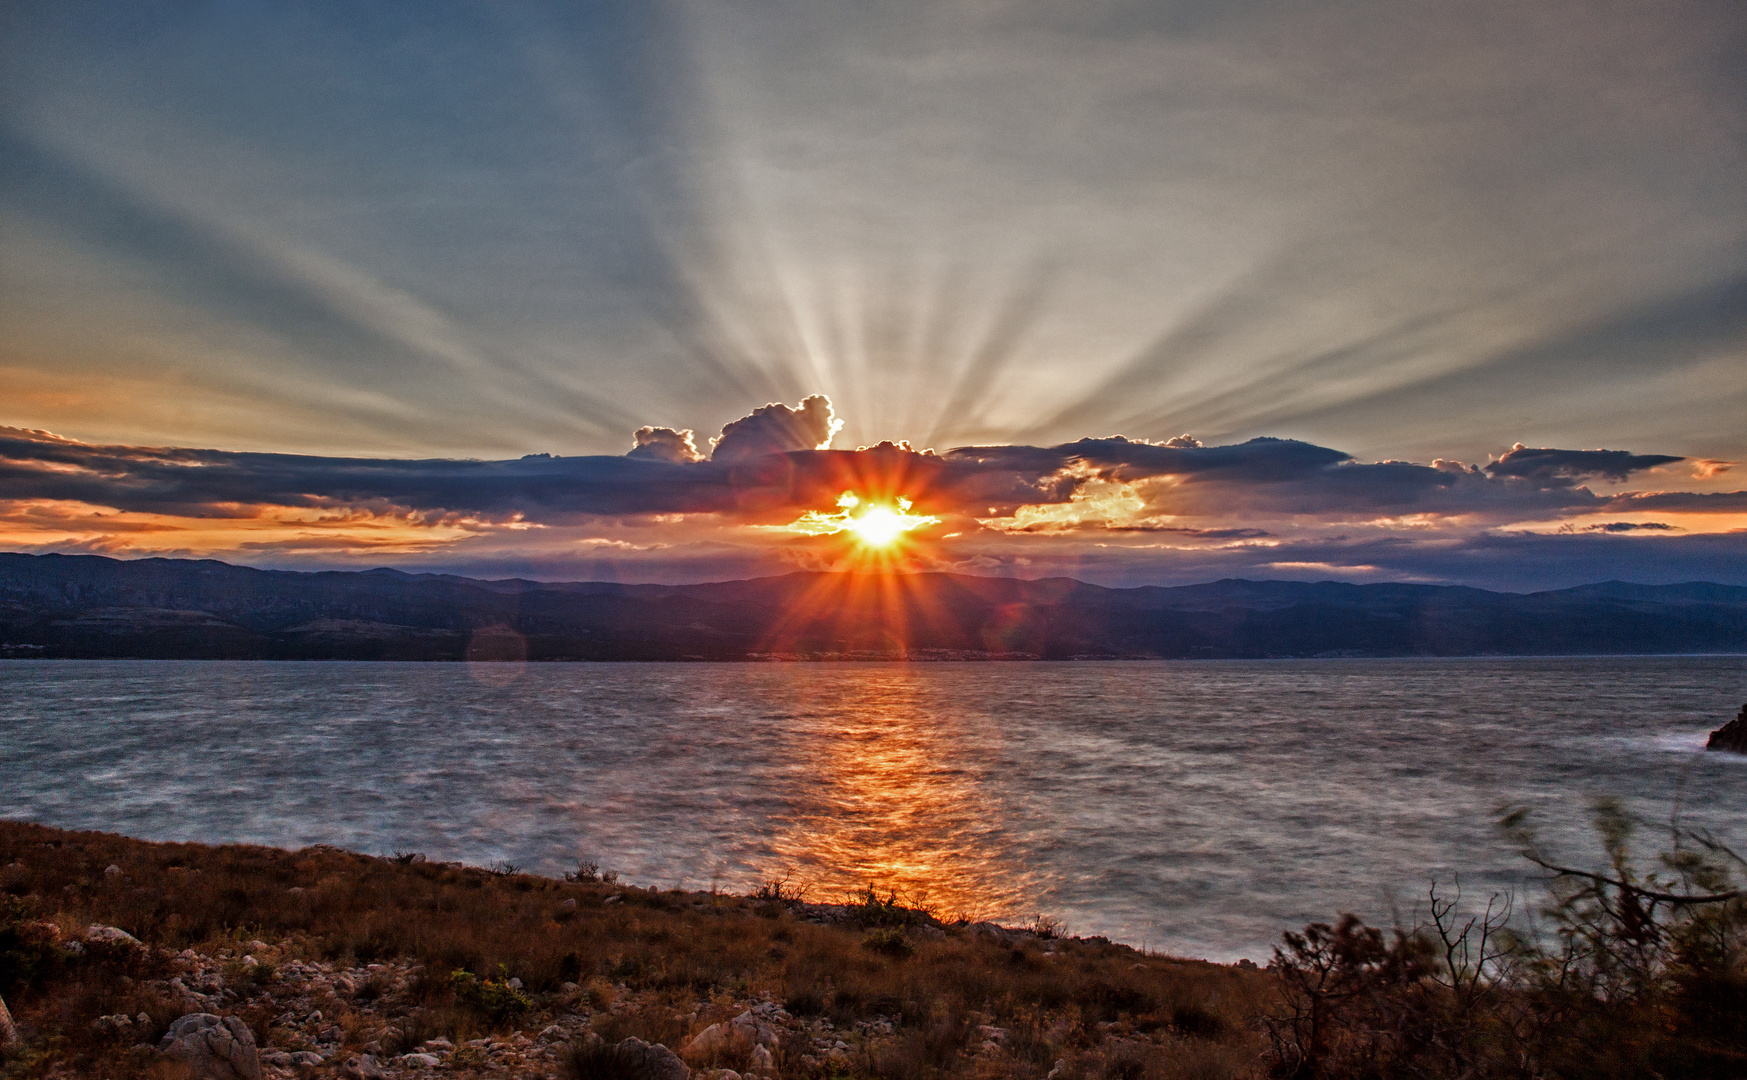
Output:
(1685, 502)
(776, 428)
(1239, 491)
(1631, 526)
(1551, 467)
(665, 444)
(1705, 468)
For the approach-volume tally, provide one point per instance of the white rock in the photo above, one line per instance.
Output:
(419, 1061)
(112, 870)
(109, 934)
(762, 1061)
(713, 1039)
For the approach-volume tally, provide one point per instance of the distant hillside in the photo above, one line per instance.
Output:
(88, 606)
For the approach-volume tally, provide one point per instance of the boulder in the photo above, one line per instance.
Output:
(419, 1061)
(715, 1039)
(638, 1060)
(213, 1047)
(110, 935)
(1732, 736)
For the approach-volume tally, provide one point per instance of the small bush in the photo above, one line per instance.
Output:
(888, 942)
(496, 998)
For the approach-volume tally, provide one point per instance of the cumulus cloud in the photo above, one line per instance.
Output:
(665, 444)
(776, 428)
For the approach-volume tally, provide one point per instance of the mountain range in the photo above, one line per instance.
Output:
(90, 606)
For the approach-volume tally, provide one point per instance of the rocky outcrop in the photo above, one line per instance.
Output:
(213, 1047)
(1732, 736)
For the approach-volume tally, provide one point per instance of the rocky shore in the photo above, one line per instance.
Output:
(1732, 736)
(124, 959)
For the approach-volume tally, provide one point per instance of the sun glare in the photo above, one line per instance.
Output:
(877, 525)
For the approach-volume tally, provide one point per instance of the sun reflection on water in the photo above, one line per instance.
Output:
(883, 800)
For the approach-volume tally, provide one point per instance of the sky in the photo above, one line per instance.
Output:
(1133, 292)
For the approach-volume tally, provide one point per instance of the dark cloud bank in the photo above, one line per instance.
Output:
(1322, 509)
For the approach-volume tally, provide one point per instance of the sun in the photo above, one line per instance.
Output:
(875, 525)
(880, 526)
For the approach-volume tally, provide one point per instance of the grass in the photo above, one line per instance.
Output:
(1621, 973)
(910, 997)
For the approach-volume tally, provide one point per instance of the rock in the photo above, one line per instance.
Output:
(256, 946)
(419, 1061)
(306, 1057)
(638, 1060)
(569, 905)
(438, 1046)
(213, 1047)
(712, 1040)
(362, 1067)
(113, 1024)
(279, 1059)
(613, 899)
(1732, 736)
(112, 871)
(761, 1061)
(110, 935)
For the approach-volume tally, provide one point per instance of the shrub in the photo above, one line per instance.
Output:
(1632, 975)
(887, 942)
(496, 998)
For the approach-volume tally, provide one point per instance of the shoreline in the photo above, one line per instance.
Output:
(366, 966)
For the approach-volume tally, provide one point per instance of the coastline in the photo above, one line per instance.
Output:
(354, 965)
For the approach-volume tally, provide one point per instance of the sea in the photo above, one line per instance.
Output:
(1195, 809)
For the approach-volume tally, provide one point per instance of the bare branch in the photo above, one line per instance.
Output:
(1649, 894)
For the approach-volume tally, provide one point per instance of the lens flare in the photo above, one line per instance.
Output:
(872, 524)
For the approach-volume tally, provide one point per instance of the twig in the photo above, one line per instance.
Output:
(1651, 894)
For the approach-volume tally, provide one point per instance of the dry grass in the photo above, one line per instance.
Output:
(655, 964)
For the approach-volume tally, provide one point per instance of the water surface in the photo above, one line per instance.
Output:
(1197, 808)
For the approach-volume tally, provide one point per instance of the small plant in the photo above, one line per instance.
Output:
(1047, 926)
(782, 890)
(888, 942)
(497, 998)
(871, 910)
(29, 950)
(503, 868)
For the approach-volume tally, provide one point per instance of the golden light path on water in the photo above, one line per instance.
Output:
(890, 804)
